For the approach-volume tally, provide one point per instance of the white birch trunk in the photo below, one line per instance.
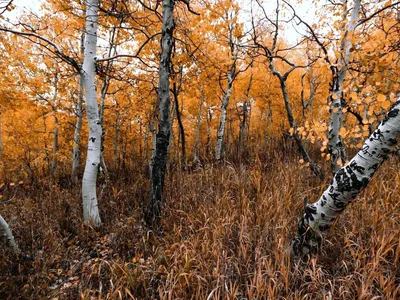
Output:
(335, 142)
(224, 106)
(349, 181)
(89, 195)
(8, 233)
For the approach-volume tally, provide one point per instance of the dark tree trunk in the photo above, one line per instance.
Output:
(175, 91)
(153, 209)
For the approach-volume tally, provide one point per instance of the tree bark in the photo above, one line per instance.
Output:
(335, 142)
(175, 91)
(196, 140)
(243, 125)
(76, 158)
(9, 235)
(348, 183)
(289, 112)
(153, 209)
(224, 106)
(54, 161)
(89, 194)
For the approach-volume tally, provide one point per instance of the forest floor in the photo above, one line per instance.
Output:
(226, 232)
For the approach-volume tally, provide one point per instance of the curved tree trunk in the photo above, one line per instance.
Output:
(89, 194)
(153, 209)
(348, 183)
(289, 112)
(8, 233)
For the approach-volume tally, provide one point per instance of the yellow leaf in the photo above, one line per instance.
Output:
(334, 96)
(386, 104)
(353, 95)
(380, 98)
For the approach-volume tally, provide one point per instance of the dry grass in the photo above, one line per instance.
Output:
(225, 235)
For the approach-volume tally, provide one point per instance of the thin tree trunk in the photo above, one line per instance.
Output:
(175, 92)
(243, 124)
(292, 124)
(196, 140)
(171, 130)
(55, 146)
(89, 194)
(76, 158)
(153, 210)
(335, 142)
(347, 183)
(224, 106)
(115, 145)
(55, 130)
(8, 233)
(153, 139)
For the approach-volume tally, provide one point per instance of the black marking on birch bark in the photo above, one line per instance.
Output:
(391, 114)
(92, 139)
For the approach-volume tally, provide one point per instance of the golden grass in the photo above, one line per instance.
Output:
(225, 235)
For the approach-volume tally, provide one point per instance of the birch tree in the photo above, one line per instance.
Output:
(335, 142)
(153, 209)
(231, 76)
(338, 70)
(8, 233)
(272, 53)
(89, 194)
(347, 183)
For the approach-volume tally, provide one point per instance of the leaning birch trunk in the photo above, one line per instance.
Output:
(348, 183)
(76, 157)
(225, 102)
(335, 142)
(8, 233)
(89, 195)
(153, 209)
(196, 141)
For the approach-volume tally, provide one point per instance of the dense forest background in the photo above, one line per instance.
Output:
(167, 149)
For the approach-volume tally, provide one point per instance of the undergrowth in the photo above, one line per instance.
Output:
(225, 234)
